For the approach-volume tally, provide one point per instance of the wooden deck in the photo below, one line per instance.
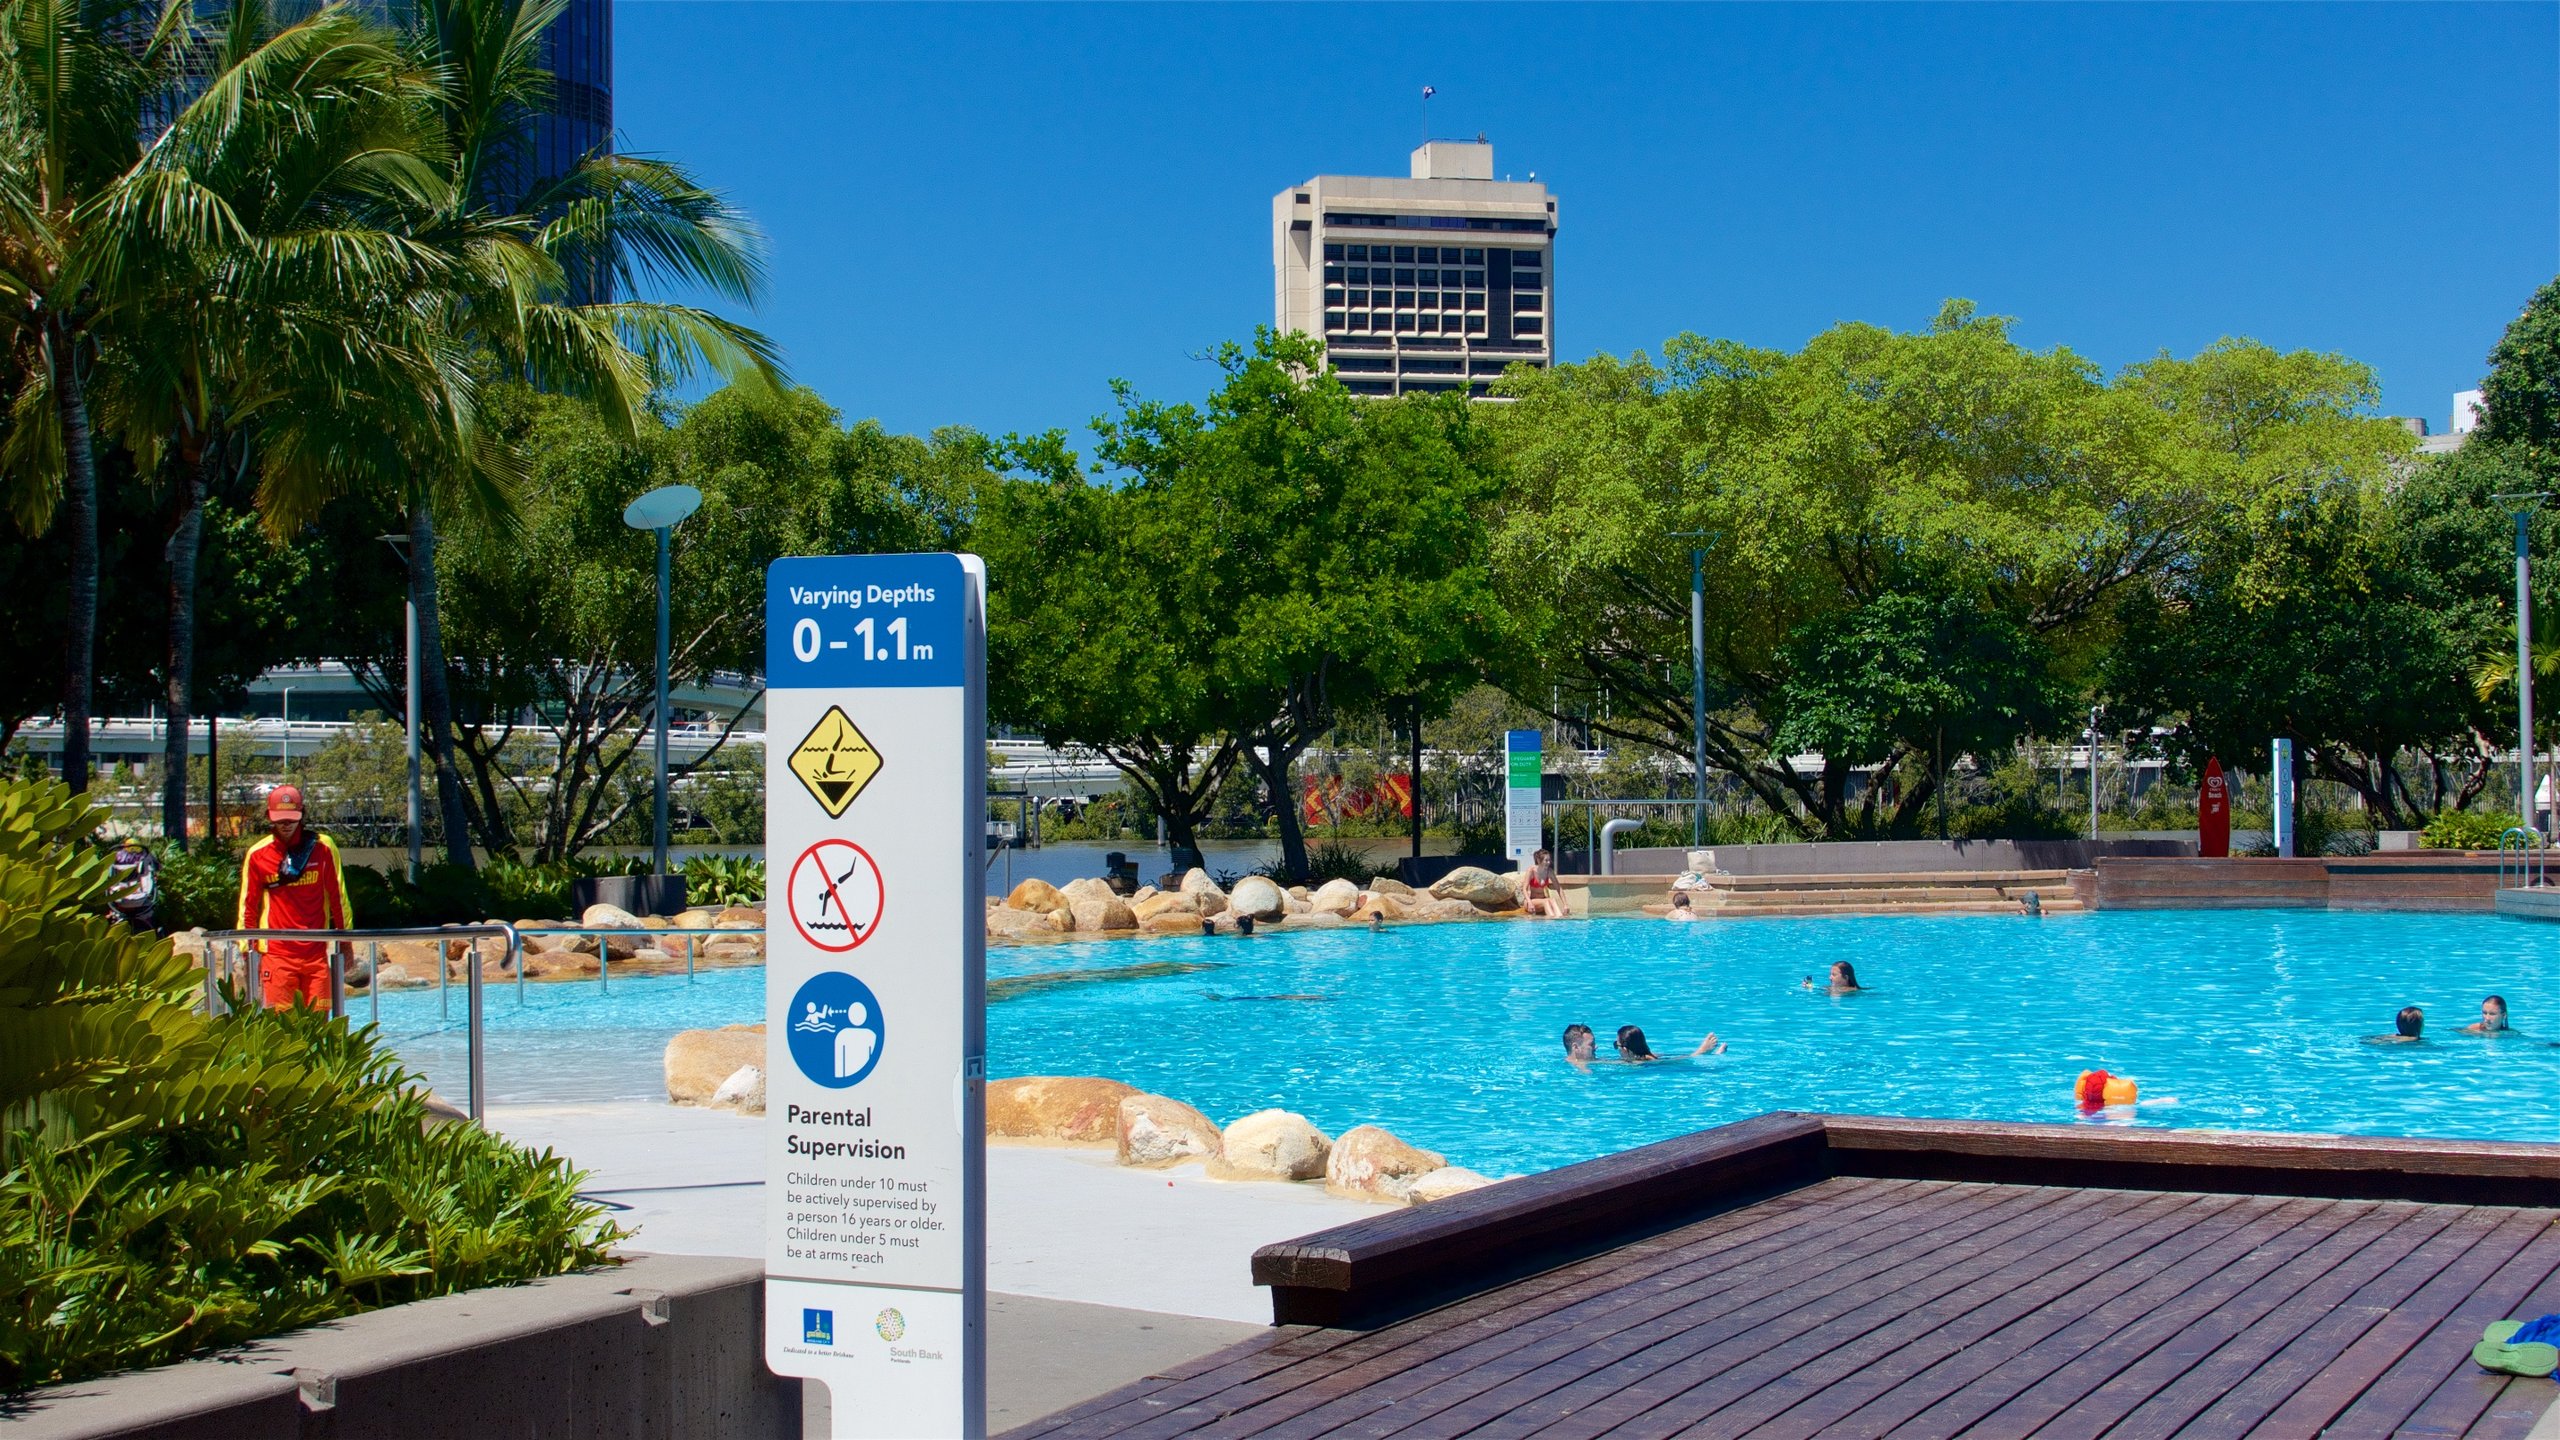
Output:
(1814, 1300)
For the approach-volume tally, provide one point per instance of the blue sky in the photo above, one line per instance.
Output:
(981, 214)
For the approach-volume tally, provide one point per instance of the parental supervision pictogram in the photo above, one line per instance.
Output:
(835, 894)
(835, 761)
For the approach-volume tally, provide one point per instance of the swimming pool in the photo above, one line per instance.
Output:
(1448, 1035)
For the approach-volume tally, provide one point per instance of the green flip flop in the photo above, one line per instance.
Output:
(2499, 1332)
(2494, 1353)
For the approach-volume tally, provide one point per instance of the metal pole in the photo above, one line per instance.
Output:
(288, 730)
(1698, 687)
(2093, 772)
(2524, 676)
(665, 535)
(417, 840)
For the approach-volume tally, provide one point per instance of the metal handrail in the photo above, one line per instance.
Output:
(474, 1031)
(2532, 854)
(604, 960)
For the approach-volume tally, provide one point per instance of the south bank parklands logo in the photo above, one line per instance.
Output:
(891, 1325)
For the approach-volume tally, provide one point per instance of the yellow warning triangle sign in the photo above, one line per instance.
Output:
(835, 761)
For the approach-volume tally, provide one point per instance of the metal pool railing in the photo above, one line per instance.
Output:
(693, 940)
(475, 1032)
(2531, 853)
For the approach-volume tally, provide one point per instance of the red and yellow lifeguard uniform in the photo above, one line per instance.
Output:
(315, 899)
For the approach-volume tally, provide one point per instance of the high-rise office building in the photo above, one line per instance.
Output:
(1435, 282)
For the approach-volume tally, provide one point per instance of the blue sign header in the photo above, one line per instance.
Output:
(865, 622)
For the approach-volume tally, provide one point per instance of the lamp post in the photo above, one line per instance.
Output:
(2523, 512)
(2093, 772)
(662, 510)
(417, 839)
(1698, 679)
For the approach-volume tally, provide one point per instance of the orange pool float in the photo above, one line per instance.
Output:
(2095, 1088)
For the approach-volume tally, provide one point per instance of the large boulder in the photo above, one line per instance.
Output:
(1174, 922)
(1388, 885)
(739, 917)
(1164, 902)
(1271, 1145)
(1061, 921)
(1446, 1181)
(1313, 920)
(1057, 1109)
(1367, 1163)
(699, 1061)
(695, 919)
(1205, 895)
(1257, 896)
(1004, 920)
(545, 965)
(1156, 1131)
(1037, 895)
(737, 950)
(1087, 888)
(1108, 913)
(609, 916)
(1478, 887)
(744, 1089)
(1335, 897)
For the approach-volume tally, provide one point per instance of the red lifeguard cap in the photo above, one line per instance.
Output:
(284, 803)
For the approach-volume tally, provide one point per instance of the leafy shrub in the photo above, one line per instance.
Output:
(200, 887)
(2466, 829)
(172, 1181)
(723, 880)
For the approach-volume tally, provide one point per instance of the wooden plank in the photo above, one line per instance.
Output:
(2051, 1377)
(2436, 1375)
(1824, 1393)
(2245, 1407)
(1376, 1269)
(1600, 1309)
(1354, 1359)
(2338, 1384)
(2512, 1403)
(1570, 1384)
(1957, 1393)
(2174, 1408)
(1735, 1381)
(2342, 1167)
(2100, 1386)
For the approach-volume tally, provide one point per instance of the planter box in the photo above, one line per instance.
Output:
(665, 1347)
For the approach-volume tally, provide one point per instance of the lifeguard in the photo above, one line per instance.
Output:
(292, 881)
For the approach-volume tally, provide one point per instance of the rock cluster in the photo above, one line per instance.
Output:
(717, 1067)
(1154, 1131)
(1037, 910)
(728, 935)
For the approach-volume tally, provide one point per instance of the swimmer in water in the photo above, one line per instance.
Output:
(1634, 1051)
(1680, 908)
(1844, 980)
(1580, 1049)
(2411, 1022)
(2493, 1018)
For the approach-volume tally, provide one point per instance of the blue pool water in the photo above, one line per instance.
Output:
(1448, 1035)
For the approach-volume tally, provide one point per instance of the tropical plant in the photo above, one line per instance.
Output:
(172, 1180)
(2467, 829)
(723, 880)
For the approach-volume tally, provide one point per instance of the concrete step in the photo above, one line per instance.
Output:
(1932, 907)
(2033, 879)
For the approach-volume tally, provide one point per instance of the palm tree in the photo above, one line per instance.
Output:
(253, 315)
(75, 78)
(539, 251)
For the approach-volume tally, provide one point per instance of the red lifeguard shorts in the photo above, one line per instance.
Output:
(295, 981)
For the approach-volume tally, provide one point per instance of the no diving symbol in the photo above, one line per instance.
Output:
(835, 895)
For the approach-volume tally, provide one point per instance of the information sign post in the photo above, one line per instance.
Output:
(1524, 795)
(875, 969)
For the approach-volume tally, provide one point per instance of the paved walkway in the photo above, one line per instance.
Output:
(1097, 1276)
(1061, 1224)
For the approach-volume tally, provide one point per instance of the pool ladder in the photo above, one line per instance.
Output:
(2531, 854)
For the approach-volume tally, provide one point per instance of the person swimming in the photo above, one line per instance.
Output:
(1634, 1051)
(1844, 979)
(1680, 908)
(2493, 1018)
(1580, 1046)
(2409, 1027)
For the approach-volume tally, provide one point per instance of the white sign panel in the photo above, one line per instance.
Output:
(1524, 789)
(875, 967)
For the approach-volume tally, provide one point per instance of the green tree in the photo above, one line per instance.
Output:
(2521, 393)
